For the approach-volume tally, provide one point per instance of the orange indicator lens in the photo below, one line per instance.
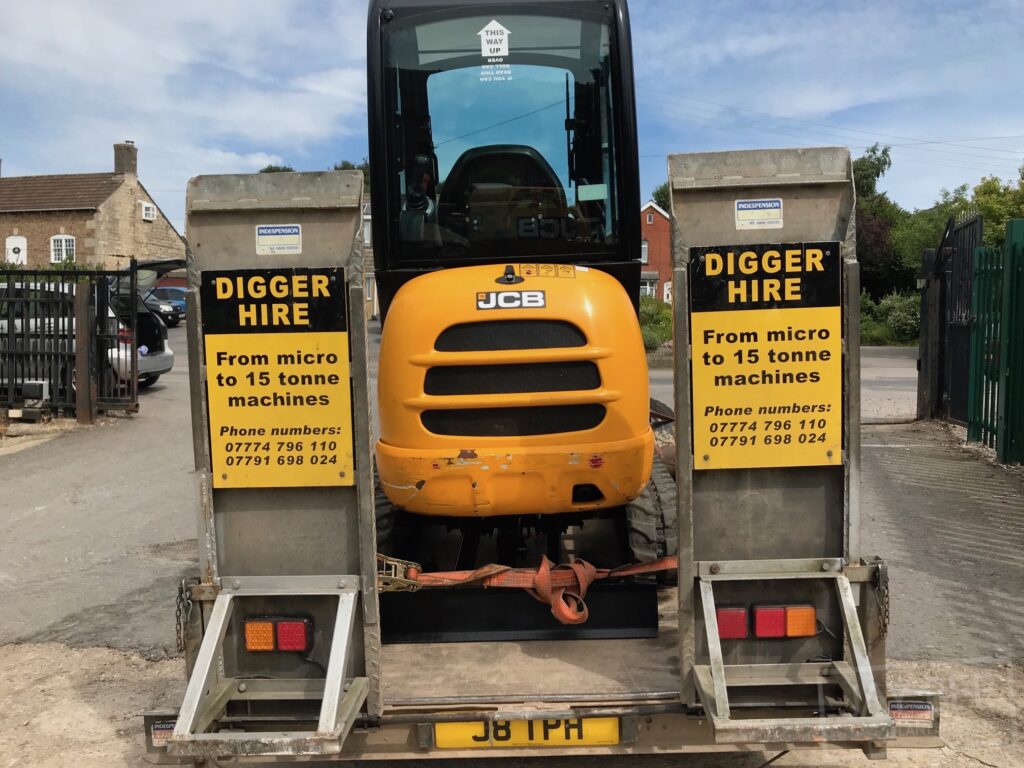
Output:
(801, 621)
(259, 635)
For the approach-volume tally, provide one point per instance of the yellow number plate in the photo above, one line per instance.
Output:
(579, 732)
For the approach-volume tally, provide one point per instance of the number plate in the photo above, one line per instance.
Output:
(579, 732)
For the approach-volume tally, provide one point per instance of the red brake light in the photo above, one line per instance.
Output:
(124, 336)
(732, 623)
(293, 635)
(770, 621)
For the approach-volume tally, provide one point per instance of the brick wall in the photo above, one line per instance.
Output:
(658, 235)
(38, 228)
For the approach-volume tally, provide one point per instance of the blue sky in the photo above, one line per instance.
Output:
(231, 85)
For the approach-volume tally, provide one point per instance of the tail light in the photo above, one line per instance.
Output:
(801, 621)
(259, 635)
(732, 623)
(785, 621)
(124, 335)
(769, 621)
(278, 634)
(293, 635)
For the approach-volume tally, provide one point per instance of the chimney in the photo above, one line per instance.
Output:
(126, 158)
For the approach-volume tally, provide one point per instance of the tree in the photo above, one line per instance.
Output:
(661, 196)
(881, 267)
(923, 228)
(869, 168)
(277, 169)
(998, 201)
(348, 165)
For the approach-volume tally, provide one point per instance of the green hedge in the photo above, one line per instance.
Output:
(896, 319)
(655, 322)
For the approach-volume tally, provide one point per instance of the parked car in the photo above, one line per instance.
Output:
(168, 303)
(155, 355)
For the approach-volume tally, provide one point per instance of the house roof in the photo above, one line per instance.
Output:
(60, 192)
(655, 206)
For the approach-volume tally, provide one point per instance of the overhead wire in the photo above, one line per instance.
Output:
(711, 118)
(832, 127)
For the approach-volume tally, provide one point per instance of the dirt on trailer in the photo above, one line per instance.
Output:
(82, 708)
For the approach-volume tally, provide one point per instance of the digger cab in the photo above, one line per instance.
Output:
(513, 379)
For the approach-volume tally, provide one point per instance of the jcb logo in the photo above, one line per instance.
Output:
(511, 300)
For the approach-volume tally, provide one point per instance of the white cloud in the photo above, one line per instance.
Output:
(231, 85)
(202, 87)
(740, 75)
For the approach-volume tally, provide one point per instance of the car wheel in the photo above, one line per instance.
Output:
(170, 323)
(148, 380)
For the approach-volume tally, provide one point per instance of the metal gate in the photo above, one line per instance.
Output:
(996, 414)
(43, 349)
(946, 322)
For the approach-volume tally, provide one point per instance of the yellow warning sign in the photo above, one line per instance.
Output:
(766, 333)
(277, 378)
(547, 270)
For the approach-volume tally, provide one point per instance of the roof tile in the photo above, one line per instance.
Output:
(61, 192)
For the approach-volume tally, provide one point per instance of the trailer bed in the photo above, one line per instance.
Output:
(539, 670)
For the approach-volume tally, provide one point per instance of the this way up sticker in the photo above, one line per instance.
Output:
(493, 40)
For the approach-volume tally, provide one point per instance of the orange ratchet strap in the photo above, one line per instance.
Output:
(563, 587)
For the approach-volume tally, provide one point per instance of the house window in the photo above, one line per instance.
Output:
(667, 295)
(62, 248)
(650, 218)
(643, 252)
(649, 288)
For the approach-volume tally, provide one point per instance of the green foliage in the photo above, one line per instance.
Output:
(277, 169)
(869, 168)
(348, 165)
(915, 232)
(896, 319)
(61, 266)
(868, 308)
(902, 314)
(661, 196)
(655, 322)
(875, 334)
(882, 267)
(651, 340)
(998, 201)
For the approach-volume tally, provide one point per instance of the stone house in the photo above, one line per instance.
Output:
(655, 252)
(90, 218)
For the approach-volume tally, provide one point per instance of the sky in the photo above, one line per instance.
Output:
(226, 86)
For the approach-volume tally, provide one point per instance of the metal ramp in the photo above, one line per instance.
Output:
(210, 691)
(866, 720)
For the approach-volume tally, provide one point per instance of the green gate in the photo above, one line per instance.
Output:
(996, 389)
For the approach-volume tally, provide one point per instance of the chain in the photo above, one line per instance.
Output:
(882, 597)
(182, 605)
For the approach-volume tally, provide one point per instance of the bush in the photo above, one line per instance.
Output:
(868, 308)
(902, 313)
(651, 340)
(655, 322)
(875, 334)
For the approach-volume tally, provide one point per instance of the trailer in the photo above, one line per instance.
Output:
(511, 422)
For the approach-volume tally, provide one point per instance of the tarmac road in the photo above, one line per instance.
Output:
(98, 526)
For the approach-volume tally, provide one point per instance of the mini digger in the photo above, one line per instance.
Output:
(513, 383)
